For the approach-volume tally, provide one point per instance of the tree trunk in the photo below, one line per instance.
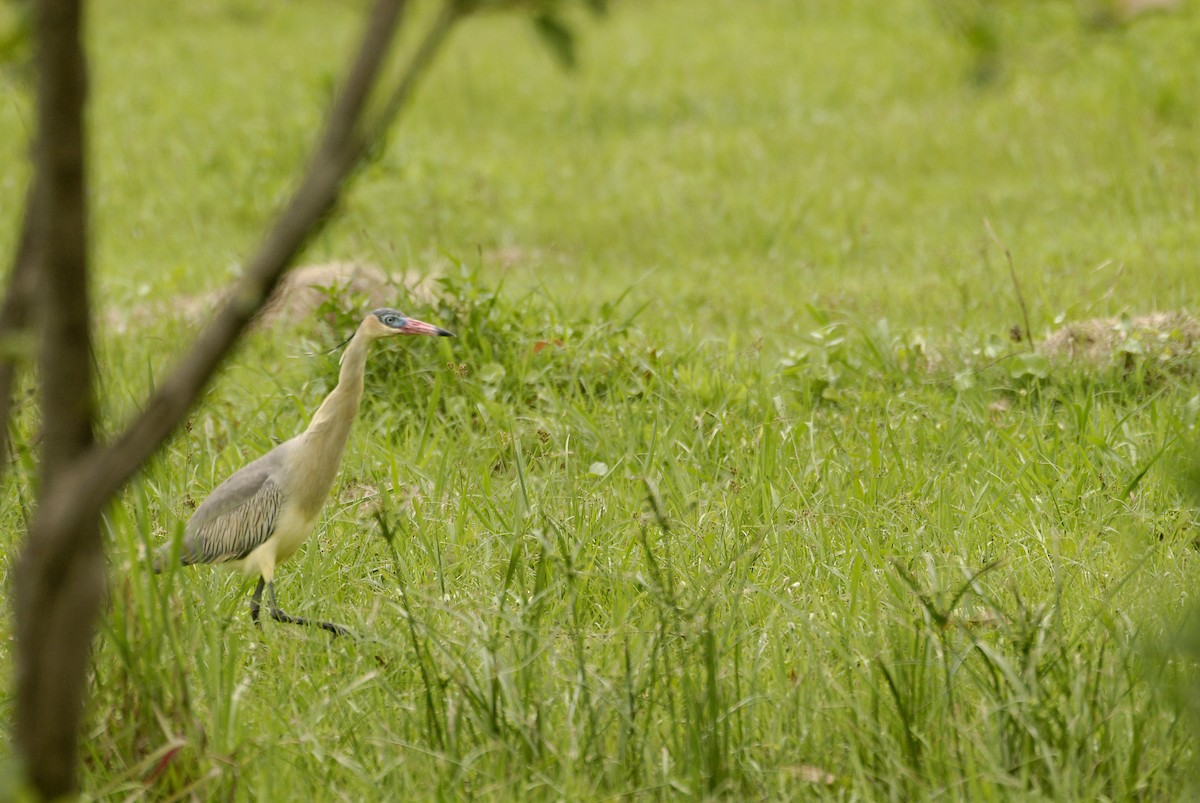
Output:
(59, 581)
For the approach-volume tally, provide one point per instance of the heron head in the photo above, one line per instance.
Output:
(385, 322)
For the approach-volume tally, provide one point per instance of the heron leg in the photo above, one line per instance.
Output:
(280, 616)
(255, 601)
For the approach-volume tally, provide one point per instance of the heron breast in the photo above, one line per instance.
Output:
(292, 531)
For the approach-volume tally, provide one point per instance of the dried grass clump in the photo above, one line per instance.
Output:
(1129, 10)
(303, 290)
(300, 295)
(1159, 334)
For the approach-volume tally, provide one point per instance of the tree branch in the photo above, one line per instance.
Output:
(435, 37)
(60, 582)
(338, 153)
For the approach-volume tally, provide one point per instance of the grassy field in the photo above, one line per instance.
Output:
(734, 483)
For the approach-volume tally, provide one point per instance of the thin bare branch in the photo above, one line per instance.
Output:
(434, 38)
(336, 157)
(1012, 273)
(61, 581)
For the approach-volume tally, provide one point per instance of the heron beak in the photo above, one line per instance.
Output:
(415, 327)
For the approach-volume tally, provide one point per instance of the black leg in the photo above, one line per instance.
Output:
(280, 616)
(254, 601)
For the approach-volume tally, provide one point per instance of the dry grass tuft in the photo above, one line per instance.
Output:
(300, 295)
(1160, 334)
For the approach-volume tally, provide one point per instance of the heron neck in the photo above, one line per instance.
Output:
(341, 405)
(326, 435)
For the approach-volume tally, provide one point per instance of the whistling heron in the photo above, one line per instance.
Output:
(261, 515)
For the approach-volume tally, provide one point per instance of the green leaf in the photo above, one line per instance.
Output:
(1030, 364)
(491, 373)
(555, 35)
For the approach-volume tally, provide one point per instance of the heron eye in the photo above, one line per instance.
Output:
(394, 321)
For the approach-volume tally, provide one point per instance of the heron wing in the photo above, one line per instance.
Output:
(238, 516)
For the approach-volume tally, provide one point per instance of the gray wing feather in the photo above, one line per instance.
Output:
(238, 516)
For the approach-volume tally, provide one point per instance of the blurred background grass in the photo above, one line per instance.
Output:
(766, 154)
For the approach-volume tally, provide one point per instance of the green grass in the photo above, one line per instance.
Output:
(772, 515)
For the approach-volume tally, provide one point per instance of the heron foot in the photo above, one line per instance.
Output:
(279, 616)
